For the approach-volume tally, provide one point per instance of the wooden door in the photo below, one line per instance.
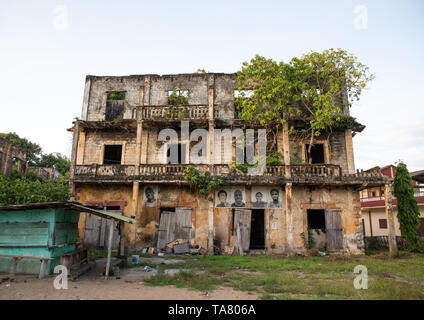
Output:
(96, 231)
(174, 225)
(333, 225)
(242, 219)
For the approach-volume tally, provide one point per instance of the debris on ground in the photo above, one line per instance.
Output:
(148, 269)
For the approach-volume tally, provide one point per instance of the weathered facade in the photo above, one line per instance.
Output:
(117, 163)
(9, 154)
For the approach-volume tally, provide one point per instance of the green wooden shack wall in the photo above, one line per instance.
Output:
(44, 233)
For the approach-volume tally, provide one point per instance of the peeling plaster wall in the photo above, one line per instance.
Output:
(94, 142)
(343, 198)
(156, 90)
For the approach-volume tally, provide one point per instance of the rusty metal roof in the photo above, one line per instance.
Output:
(69, 205)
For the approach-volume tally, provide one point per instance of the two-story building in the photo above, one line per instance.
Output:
(121, 161)
(374, 218)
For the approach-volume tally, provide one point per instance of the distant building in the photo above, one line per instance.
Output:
(374, 220)
(46, 173)
(9, 155)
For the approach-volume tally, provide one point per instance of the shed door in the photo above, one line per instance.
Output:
(333, 224)
(174, 225)
(243, 218)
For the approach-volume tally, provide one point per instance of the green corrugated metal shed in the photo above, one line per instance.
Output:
(45, 230)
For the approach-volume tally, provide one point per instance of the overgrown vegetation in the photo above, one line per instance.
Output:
(19, 189)
(116, 95)
(204, 183)
(408, 212)
(177, 98)
(308, 242)
(318, 87)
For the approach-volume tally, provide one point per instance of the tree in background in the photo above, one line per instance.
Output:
(56, 160)
(408, 212)
(32, 189)
(319, 87)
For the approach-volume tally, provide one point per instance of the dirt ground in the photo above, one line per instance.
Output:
(93, 286)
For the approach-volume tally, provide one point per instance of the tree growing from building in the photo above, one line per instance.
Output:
(319, 87)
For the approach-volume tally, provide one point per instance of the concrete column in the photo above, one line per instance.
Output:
(390, 218)
(210, 225)
(286, 147)
(135, 208)
(211, 154)
(349, 151)
(289, 218)
(74, 156)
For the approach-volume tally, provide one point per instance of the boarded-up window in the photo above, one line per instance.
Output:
(382, 223)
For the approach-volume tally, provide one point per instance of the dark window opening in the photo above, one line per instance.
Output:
(257, 229)
(113, 208)
(180, 154)
(316, 219)
(167, 209)
(316, 154)
(112, 154)
(382, 223)
(115, 105)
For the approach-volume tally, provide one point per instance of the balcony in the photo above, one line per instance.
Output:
(169, 173)
(192, 112)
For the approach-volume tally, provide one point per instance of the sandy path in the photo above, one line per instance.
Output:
(29, 287)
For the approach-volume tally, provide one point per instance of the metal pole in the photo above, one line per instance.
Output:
(109, 248)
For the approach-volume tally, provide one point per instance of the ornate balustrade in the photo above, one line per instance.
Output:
(175, 112)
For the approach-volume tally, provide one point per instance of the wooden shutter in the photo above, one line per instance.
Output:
(243, 218)
(174, 225)
(333, 224)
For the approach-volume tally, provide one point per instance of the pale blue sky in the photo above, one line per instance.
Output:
(43, 66)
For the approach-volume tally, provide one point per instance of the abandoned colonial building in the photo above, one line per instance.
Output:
(10, 155)
(120, 161)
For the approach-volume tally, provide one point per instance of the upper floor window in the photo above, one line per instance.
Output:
(114, 105)
(247, 94)
(316, 155)
(177, 97)
(112, 154)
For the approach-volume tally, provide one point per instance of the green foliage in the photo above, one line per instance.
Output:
(118, 119)
(23, 190)
(205, 183)
(116, 95)
(309, 242)
(341, 121)
(408, 212)
(177, 99)
(201, 70)
(33, 150)
(56, 160)
(311, 87)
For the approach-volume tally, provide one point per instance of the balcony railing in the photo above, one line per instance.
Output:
(175, 112)
(224, 170)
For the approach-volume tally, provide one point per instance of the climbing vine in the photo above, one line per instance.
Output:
(205, 183)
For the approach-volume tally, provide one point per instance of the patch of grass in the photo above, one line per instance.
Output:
(400, 277)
